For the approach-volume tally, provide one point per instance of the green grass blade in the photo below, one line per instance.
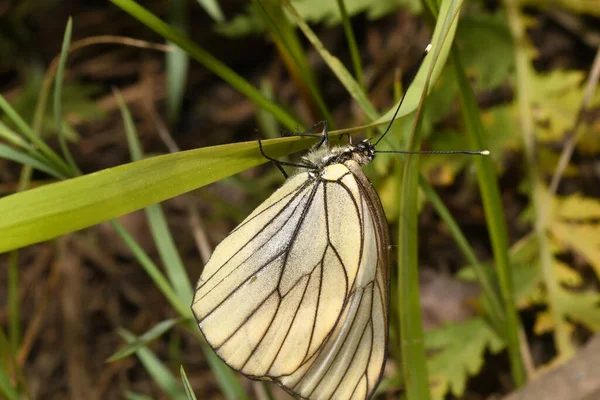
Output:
(411, 326)
(186, 385)
(15, 155)
(231, 387)
(58, 208)
(152, 334)
(335, 64)
(153, 272)
(157, 221)
(7, 391)
(7, 134)
(175, 269)
(58, 98)
(157, 370)
(494, 212)
(168, 253)
(26, 131)
(14, 330)
(206, 59)
(212, 8)
(225, 376)
(136, 396)
(177, 61)
(491, 295)
(354, 51)
(286, 38)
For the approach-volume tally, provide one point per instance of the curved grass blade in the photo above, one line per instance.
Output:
(154, 333)
(136, 396)
(6, 389)
(153, 272)
(58, 163)
(411, 325)
(213, 9)
(494, 216)
(186, 385)
(58, 98)
(206, 59)
(157, 370)
(18, 156)
(177, 61)
(157, 220)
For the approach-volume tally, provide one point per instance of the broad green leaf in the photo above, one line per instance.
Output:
(459, 353)
(555, 100)
(487, 48)
(153, 334)
(574, 226)
(580, 307)
(55, 209)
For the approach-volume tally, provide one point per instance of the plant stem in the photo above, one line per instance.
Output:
(490, 195)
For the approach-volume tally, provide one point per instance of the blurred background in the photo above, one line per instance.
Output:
(65, 304)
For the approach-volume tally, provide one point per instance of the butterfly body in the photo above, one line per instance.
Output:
(298, 293)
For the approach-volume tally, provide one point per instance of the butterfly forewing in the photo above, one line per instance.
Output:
(298, 293)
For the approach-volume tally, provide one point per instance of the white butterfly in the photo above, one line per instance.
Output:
(298, 293)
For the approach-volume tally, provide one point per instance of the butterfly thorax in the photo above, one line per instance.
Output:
(363, 153)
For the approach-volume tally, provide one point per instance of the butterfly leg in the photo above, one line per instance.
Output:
(278, 163)
(323, 135)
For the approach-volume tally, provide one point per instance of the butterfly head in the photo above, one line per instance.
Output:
(363, 152)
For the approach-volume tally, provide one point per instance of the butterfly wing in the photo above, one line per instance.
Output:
(298, 292)
(350, 363)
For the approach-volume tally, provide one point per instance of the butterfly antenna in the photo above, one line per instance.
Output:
(469, 152)
(410, 80)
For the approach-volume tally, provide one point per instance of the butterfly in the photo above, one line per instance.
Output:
(298, 293)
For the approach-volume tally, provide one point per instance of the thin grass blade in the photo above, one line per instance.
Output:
(484, 279)
(153, 271)
(152, 334)
(60, 73)
(7, 391)
(177, 61)
(411, 325)
(206, 59)
(157, 370)
(7, 134)
(137, 396)
(23, 158)
(186, 385)
(52, 158)
(495, 218)
(286, 39)
(213, 9)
